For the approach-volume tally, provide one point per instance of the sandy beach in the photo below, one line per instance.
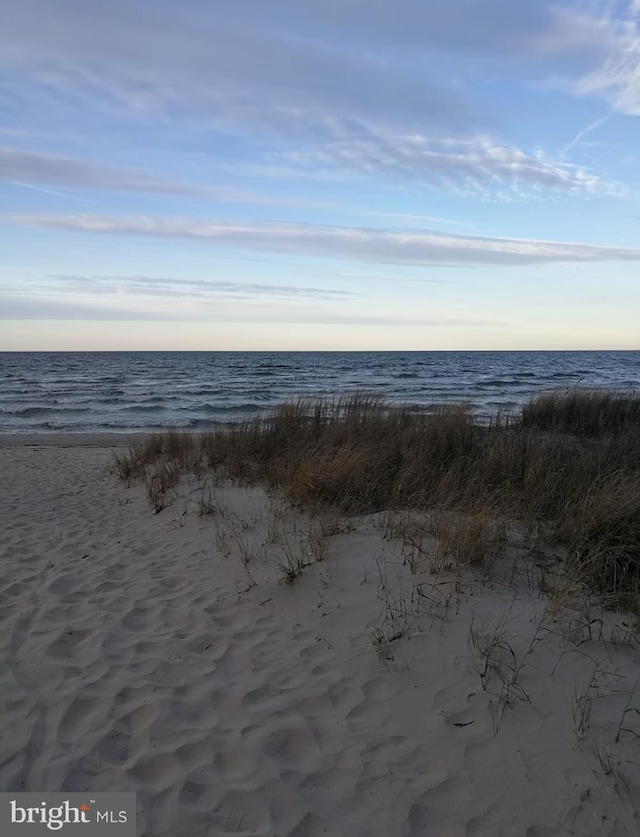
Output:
(320, 418)
(170, 654)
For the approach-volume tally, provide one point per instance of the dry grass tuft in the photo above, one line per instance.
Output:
(568, 463)
(475, 539)
(582, 412)
(165, 475)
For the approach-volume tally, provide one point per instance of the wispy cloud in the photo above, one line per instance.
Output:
(412, 218)
(36, 308)
(362, 244)
(163, 299)
(37, 168)
(583, 132)
(230, 70)
(292, 67)
(55, 192)
(157, 286)
(345, 88)
(167, 299)
(613, 74)
(466, 167)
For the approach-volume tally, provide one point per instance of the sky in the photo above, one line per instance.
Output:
(319, 174)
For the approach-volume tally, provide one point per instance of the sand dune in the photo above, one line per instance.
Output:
(141, 654)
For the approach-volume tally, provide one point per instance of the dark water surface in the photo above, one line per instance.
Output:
(128, 391)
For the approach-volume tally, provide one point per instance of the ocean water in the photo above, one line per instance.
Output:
(135, 391)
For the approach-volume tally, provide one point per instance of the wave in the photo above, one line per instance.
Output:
(197, 423)
(138, 391)
(498, 382)
(28, 412)
(160, 399)
(219, 408)
(502, 404)
(200, 392)
(141, 408)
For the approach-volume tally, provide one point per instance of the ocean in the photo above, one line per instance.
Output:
(136, 391)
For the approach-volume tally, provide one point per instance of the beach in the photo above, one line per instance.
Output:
(320, 418)
(170, 654)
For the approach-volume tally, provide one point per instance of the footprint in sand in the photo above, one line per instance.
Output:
(129, 735)
(15, 590)
(421, 821)
(242, 812)
(150, 648)
(167, 674)
(130, 697)
(196, 755)
(315, 706)
(157, 773)
(81, 714)
(379, 689)
(195, 715)
(173, 583)
(115, 748)
(77, 781)
(236, 765)
(198, 796)
(258, 696)
(331, 787)
(210, 645)
(140, 619)
(313, 826)
(66, 583)
(107, 587)
(293, 749)
(69, 645)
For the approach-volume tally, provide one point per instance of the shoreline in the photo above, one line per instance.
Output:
(63, 439)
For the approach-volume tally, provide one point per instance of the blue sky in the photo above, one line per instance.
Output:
(326, 174)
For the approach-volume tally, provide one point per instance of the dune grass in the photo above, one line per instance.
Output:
(570, 460)
(582, 412)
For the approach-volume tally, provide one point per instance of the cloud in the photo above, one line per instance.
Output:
(290, 67)
(468, 167)
(613, 74)
(220, 70)
(349, 86)
(468, 25)
(361, 244)
(168, 299)
(617, 81)
(39, 168)
(33, 169)
(21, 307)
(157, 286)
(68, 298)
(583, 132)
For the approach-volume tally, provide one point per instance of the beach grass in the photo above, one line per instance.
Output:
(567, 460)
